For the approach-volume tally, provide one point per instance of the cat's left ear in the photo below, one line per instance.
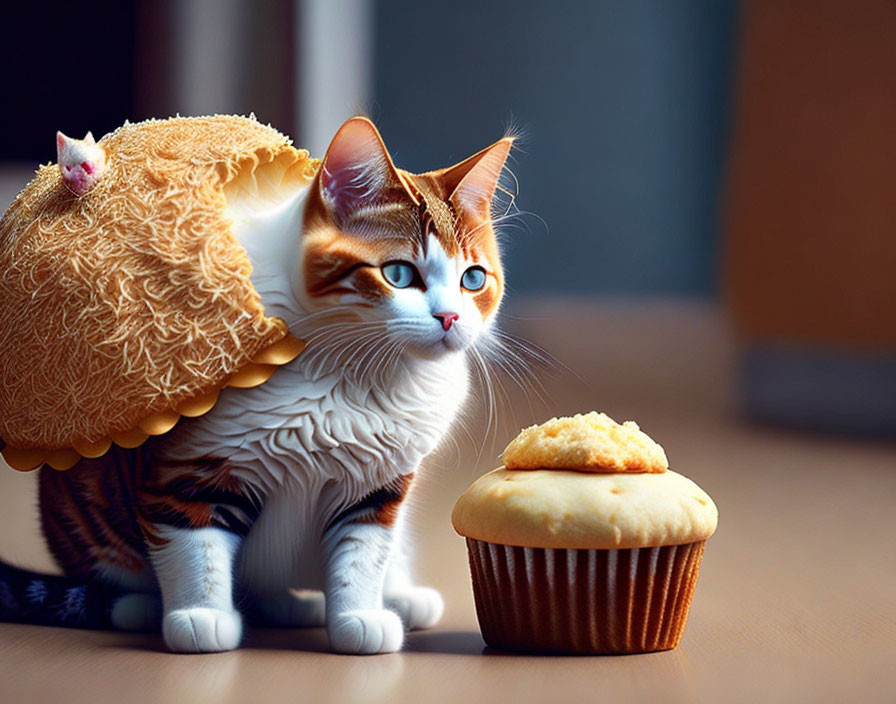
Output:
(357, 172)
(472, 182)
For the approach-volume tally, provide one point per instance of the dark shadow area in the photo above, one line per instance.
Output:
(444, 642)
(309, 640)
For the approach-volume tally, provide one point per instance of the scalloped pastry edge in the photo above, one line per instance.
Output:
(254, 373)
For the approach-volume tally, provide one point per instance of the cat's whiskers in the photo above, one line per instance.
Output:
(502, 397)
(388, 359)
(498, 354)
(528, 357)
(506, 354)
(369, 353)
(362, 349)
(487, 402)
(371, 350)
(332, 353)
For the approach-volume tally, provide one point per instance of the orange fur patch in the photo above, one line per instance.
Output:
(395, 229)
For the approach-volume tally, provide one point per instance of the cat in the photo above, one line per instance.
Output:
(394, 280)
(81, 162)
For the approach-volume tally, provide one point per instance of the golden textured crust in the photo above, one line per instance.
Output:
(592, 442)
(577, 510)
(121, 306)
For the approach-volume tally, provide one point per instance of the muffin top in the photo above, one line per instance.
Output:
(622, 495)
(593, 442)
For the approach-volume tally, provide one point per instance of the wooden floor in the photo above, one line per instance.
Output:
(796, 601)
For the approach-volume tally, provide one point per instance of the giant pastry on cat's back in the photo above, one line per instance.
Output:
(584, 541)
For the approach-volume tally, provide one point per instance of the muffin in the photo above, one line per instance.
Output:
(584, 541)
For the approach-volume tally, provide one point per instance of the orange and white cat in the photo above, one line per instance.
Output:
(393, 279)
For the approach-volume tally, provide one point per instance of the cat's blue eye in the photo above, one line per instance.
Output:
(473, 278)
(400, 274)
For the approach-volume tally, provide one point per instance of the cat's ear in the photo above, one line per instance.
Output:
(357, 171)
(61, 141)
(472, 182)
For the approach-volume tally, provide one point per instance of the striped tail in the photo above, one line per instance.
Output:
(49, 600)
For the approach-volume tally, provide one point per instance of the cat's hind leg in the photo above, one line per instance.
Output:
(419, 607)
(137, 611)
(291, 609)
(194, 567)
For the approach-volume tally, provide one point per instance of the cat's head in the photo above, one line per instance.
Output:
(81, 162)
(414, 253)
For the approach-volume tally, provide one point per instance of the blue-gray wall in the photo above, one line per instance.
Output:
(625, 107)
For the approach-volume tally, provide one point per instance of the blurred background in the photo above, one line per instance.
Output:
(703, 150)
(624, 106)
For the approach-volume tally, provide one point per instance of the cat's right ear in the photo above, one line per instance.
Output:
(472, 182)
(357, 172)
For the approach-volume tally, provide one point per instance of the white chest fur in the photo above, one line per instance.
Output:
(312, 447)
(303, 429)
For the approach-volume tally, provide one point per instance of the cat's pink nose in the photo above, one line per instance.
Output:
(446, 318)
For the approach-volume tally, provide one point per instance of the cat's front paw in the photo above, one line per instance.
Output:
(202, 630)
(365, 631)
(418, 607)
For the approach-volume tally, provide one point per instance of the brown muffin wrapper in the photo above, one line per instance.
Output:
(583, 601)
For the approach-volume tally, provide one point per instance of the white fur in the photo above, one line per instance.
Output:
(322, 433)
(194, 569)
(82, 162)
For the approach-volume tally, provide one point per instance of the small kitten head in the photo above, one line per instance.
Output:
(416, 253)
(81, 162)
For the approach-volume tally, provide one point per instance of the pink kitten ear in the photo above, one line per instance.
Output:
(472, 182)
(357, 171)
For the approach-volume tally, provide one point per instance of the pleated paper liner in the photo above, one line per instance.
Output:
(583, 601)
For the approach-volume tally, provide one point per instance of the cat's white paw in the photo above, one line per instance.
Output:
(301, 609)
(418, 607)
(137, 612)
(202, 630)
(365, 631)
